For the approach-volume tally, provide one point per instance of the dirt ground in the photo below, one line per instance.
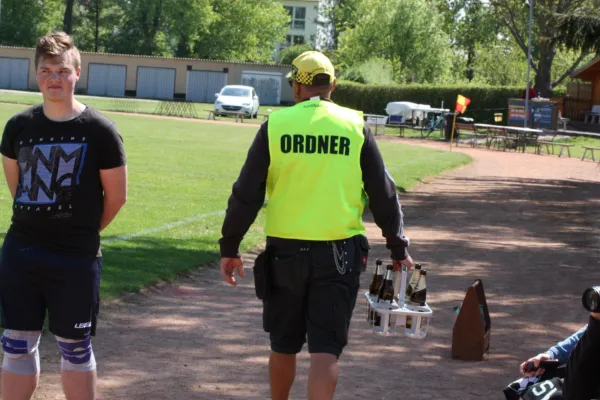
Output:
(527, 225)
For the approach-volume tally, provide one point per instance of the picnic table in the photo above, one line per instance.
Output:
(520, 136)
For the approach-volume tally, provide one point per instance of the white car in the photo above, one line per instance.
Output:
(237, 98)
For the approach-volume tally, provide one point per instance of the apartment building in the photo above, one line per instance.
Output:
(303, 27)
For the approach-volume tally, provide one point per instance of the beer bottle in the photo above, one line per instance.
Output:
(372, 316)
(414, 278)
(419, 294)
(377, 279)
(386, 291)
(376, 318)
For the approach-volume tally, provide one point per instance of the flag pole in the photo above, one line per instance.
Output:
(453, 125)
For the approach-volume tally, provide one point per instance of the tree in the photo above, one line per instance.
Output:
(158, 27)
(338, 16)
(290, 53)
(189, 21)
(373, 71)
(68, 18)
(514, 15)
(476, 27)
(579, 32)
(244, 30)
(237, 30)
(417, 46)
(499, 64)
(23, 21)
(94, 24)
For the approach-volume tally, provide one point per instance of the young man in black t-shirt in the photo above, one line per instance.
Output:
(65, 166)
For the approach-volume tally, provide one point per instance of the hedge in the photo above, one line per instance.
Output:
(373, 99)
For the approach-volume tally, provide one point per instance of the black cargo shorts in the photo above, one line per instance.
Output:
(313, 291)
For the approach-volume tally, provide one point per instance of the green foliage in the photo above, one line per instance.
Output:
(290, 53)
(338, 16)
(373, 71)
(546, 38)
(241, 30)
(245, 30)
(23, 21)
(485, 100)
(407, 33)
(475, 27)
(159, 27)
(500, 64)
(579, 31)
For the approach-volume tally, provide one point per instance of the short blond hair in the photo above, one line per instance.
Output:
(56, 44)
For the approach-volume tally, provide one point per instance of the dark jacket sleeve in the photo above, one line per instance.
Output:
(383, 198)
(247, 196)
(581, 379)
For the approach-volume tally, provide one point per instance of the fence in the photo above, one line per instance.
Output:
(580, 91)
(577, 101)
(575, 108)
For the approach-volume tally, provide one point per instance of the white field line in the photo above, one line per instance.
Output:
(164, 227)
(199, 217)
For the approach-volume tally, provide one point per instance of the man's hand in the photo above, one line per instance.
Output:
(228, 266)
(398, 264)
(536, 361)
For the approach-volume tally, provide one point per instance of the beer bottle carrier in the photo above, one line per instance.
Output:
(393, 317)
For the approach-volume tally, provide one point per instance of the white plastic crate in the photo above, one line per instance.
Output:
(394, 317)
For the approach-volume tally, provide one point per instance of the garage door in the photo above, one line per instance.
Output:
(106, 80)
(14, 73)
(266, 84)
(155, 83)
(202, 85)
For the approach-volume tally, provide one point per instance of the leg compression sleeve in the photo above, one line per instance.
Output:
(21, 355)
(77, 355)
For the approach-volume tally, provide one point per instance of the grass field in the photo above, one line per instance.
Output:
(149, 106)
(111, 104)
(579, 142)
(180, 173)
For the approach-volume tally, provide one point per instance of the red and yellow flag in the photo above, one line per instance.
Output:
(461, 103)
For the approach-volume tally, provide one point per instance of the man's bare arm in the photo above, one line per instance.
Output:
(11, 173)
(114, 183)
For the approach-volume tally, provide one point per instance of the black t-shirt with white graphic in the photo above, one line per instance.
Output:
(59, 199)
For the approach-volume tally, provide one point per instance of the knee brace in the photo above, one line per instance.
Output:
(76, 355)
(21, 355)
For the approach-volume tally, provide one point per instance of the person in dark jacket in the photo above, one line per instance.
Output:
(581, 379)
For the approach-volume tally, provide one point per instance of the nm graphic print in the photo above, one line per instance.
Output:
(49, 172)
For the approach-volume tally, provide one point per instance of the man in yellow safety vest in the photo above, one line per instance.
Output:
(318, 163)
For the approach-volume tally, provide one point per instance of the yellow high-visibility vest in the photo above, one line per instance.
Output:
(314, 184)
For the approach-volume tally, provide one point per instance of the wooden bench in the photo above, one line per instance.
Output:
(460, 129)
(591, 150)
(563, 146)
(238, 115)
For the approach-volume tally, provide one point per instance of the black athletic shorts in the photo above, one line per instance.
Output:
(33, 279)
(312, 296)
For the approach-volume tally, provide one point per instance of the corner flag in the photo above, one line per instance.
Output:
(461, 103)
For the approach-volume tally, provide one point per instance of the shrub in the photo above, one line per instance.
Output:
(373, 99)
